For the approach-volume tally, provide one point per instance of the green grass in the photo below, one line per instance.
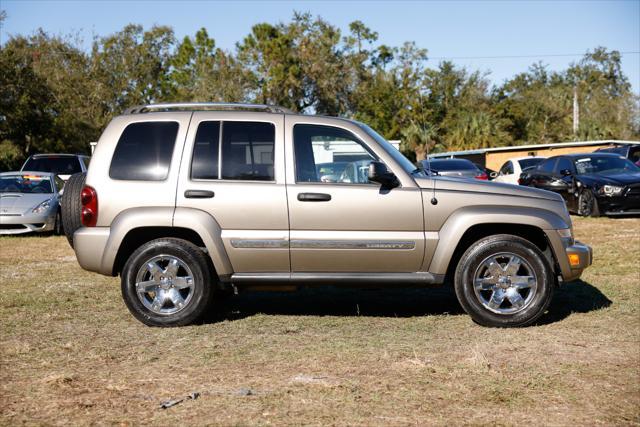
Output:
(70, 352)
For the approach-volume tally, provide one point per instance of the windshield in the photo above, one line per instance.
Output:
(604, 164)
(66, 165)
(25, 184)
(391, 150)
(527, 163)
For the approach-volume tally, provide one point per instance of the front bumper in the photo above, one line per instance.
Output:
(580, 256)
(627, 204)
(29, 223)
(567, 250)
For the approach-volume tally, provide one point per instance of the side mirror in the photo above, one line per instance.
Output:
(565, 172)
(379, 173)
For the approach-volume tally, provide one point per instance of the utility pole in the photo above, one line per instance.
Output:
(576, 111)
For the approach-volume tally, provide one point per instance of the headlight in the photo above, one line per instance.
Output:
(42, 207)
(611, 190)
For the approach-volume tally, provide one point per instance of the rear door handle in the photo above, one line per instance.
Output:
(199, 194)
(314, 197)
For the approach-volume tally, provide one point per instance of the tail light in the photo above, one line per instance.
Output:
(89, 200)
(482, 175)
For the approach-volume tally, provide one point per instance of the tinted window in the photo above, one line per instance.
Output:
(563, 164)
(547, 165)
(451, 165)
(634, 154)
(247, 151)
(527, 163)
(144, 151)
(204, 163)
(507, 168)
(329, 154)
(65, 165)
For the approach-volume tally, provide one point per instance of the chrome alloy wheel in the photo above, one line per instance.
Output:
(164, 284)
(505, 283)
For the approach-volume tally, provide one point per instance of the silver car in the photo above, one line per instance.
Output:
(30, 202)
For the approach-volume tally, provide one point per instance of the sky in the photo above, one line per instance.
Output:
(501, 37)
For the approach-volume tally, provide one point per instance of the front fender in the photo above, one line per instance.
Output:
(464, 218)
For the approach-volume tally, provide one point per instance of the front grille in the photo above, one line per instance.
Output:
(12, 227)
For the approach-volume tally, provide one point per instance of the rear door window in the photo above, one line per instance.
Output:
(247, 151)
(144, 151)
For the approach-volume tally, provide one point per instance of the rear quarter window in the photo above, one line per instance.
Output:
(144, 151)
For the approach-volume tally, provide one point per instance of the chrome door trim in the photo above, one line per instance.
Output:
(352, 244)
(259, 243)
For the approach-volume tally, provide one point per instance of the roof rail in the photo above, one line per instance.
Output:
(206, 106)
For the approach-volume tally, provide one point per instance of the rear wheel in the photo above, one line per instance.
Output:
(167, 282)
(71, 205)
(504, 281)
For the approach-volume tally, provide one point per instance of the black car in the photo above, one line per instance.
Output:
(591, 183)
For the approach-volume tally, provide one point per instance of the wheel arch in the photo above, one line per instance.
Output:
(467, 226)
(134, 227)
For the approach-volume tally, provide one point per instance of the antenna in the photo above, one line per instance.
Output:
(433, 200)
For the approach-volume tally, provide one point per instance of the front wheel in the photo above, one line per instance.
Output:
(167, 282)
(504, 281)
(587, 204)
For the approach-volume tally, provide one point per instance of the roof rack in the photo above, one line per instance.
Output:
(206, 106)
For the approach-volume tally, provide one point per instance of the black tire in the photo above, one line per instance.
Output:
(71, 206)
(57, 226)
(145, 306)
(478, 303)
(587, 204)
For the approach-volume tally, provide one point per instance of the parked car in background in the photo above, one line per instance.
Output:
(511, 169)
(63, 165)
(630, 151)
(454, 167)
(591, 183)
(30, 202)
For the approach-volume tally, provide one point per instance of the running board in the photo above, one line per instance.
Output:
(336, 279)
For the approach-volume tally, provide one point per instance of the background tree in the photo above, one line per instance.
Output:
(57, 97)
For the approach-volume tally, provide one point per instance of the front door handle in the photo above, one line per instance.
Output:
(314, 197)
(199, 194)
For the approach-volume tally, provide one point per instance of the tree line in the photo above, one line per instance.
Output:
(56, 96)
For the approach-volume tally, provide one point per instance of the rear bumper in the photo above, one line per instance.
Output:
(90, 244)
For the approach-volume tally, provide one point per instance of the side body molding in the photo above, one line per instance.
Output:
(209, 231)
(462, 219)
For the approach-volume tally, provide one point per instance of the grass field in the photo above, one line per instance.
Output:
(70, 352)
